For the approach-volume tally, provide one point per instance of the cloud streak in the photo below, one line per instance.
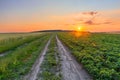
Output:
(92, 13)
(83, 18)
(90, 22)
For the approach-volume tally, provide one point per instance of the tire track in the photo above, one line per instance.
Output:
(32, 75)
(71, 70)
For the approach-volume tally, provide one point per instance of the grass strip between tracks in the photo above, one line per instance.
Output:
(50, 69)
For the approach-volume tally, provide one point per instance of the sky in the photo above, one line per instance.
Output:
(35, 15)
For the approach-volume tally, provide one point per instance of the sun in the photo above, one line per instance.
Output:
(79, 31)
(79, 28)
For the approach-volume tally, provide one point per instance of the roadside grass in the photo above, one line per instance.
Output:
(50, 68)
(14, 66)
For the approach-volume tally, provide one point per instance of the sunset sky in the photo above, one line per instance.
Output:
(34, 15)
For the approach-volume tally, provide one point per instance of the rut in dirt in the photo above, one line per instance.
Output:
(32, 75)
(70, 68)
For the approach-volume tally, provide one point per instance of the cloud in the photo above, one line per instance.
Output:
(108, 22)
(92, 13)
(92, 18)
(91, 22)
(86, 18)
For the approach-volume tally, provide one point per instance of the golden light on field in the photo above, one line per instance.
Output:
(78, 34)
(80, 31)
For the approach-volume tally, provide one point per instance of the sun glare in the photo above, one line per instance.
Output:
(79, 31)
(79, 28)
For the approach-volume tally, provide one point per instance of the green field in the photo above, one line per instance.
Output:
(15, 35)
(99, 53)
(19, 61)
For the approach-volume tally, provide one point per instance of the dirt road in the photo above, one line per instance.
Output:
(36, 67)
(71, 70)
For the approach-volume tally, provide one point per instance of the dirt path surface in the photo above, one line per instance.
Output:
(71, 70)
(32, 75)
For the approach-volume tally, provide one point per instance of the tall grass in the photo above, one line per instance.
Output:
(11, 43)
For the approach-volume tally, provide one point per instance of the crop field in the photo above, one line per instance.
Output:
(98, 52)
(60, 56)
